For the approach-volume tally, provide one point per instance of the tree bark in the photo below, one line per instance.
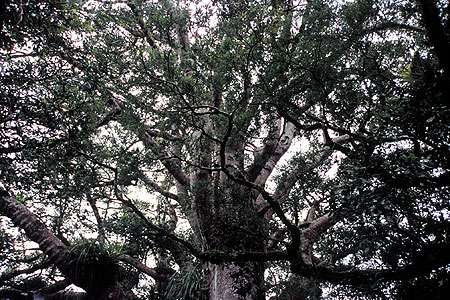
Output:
(235, 281)
(97, 282)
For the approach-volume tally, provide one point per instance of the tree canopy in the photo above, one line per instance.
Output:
(224, 149)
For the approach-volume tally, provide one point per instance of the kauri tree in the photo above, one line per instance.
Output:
(224, 149)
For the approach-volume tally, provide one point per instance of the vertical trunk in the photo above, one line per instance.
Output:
(233, 232)
(234, 227)
(236, 281)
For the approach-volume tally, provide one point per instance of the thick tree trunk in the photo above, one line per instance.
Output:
(232, 226)
(239, 280)
(236, 281)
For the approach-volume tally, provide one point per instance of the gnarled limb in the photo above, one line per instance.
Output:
(96, 282)
(35, 230)
(9, 275)
(424, 262)
(170, 164)
(150, 183)
(145, 269)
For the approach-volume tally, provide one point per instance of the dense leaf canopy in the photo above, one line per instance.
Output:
(225, 149)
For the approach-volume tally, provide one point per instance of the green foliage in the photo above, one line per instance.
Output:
(187, 285)
(436, 285)
(94, 263)
(85, 251)
(119, 119)
(138, 240)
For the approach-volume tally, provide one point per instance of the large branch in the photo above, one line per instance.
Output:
(268, 160)
(53, 288)
(171, 164)
(96, 284)
(35, 230)
(150, 183)
(336, 143)
(100, 226)
(386, 26)
(263, 154)
(288, 182)
(145, 269)
(9, 275)
(424, 262)
(311, 233)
